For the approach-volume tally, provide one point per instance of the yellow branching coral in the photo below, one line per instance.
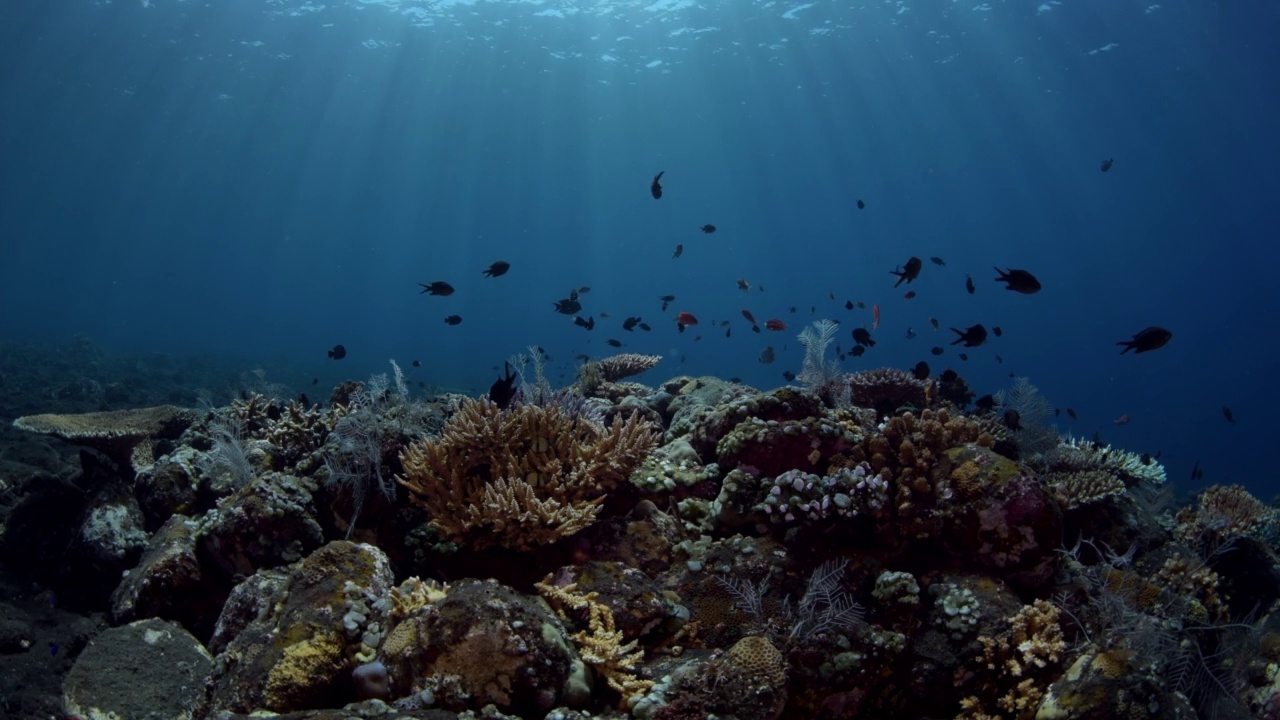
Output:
(520, 477)
(601, 643)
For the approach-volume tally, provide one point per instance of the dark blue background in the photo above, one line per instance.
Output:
(263, 180)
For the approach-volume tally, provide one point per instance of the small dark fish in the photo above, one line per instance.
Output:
(1122, 420)
(416, 363)
(909, 294)
(1230, 416)
(999, 360)
(985, 403)
(1012, 419)
(911, 334)
(453, 320)
(583, 290)
(743, 285)
(857, 350)
(338, 352)
(972, 336)
(497, 269)
(908, 272)
(788, 376)
(306, 401)
(755, 328)
(1147, 339)
(503, 390)
(1071, 413)
(938, 261)
(861, 205)
(644, 326)
(934, 323)
(1019, 281)
(968, 284)
(679, 251)
(728, 332)
(438, 287)
(666, 301)
(589, 323)
(655, 187)
(614, 343)
(921, 370)
(936, 350)
(568, 306)
(1196, 472)
(767, 355)
(996, 329)
(863, 337)
(630, 323)
(861, 305)
(848, 304)
(963, 356)
(708, 229)
(1106, 164)
(315, 381)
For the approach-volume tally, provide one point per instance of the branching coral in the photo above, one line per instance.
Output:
(520, 477)
(1019, 664)
(601, 644)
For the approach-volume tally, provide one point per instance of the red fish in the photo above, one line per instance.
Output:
(775, 325)
(750, 318)
(684, 319)
(875, 313)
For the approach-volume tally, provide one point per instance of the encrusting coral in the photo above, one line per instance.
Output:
(520, 477)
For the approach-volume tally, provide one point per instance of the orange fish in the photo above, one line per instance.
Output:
(875, 313)
(775, 325)
(685, 318)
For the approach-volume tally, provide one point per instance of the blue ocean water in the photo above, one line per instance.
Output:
(266, 178)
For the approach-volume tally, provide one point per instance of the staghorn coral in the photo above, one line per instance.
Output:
(601, 644)
(300, 429)
(625, 365)
(521, 477)
(887, 389)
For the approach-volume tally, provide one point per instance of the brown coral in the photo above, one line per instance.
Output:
(624, 365)
(887, 389)
(122, 435)
(520, 477)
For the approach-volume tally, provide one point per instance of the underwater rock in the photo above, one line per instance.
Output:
(105, 680)
(267, 523)
(167, 582)
(300, 649)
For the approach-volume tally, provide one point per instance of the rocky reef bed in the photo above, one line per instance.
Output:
(868, 546)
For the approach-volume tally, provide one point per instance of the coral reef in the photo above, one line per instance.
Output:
(861, 547)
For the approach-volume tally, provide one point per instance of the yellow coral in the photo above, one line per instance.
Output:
(601, 644)
(520, 477)
(317, 660)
